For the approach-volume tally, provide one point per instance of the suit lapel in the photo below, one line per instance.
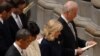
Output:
(65, 25)
(16, 51)
(67, 30)
(14, 23)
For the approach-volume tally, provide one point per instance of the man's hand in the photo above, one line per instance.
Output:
(79, 51)
(91, 42)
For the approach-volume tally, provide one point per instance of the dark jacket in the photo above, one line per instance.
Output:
(5, 38)
(12, 51)
(68, 40)
(51, 48)
(13, 25)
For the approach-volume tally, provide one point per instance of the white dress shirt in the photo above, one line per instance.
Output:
(18, 48)
(1, 20)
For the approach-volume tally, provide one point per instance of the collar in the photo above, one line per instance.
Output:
(18, 48)
(13, 14)
(39, 40)
(1, 20)
(63, 17)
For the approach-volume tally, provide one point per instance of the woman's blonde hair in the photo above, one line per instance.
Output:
(52, 26)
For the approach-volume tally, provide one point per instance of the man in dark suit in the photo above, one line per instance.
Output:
(68, 38)
(23, 39)
(17, 20)
(5, 35)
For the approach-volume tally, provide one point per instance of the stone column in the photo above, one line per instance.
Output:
(96, 3)
(33, 11)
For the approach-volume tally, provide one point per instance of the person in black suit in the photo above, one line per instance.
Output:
(69, 38)
(49, 46)
(23, 39)
(21, 4)
(5, 34)
(17, 20)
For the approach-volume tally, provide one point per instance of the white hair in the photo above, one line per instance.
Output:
(69, 5)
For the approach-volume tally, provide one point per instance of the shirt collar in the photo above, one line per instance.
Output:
(40, 40)
(1, 20)
(18, 48)
(63, 17)
(13, 14)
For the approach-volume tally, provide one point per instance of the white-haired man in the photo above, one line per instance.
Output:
(68, 38)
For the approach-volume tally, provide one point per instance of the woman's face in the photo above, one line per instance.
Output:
(56, 34)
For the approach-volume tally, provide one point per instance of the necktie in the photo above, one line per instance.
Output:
(19, 23)
(72, 29)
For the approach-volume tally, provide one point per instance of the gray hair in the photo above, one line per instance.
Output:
(22, 34)
(69, 5)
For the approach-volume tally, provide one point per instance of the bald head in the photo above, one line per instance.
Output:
(69, 5)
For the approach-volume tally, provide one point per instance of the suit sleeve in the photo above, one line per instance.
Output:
(81, 42)
(69, 52)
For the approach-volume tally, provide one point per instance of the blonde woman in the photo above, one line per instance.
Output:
(49, 46)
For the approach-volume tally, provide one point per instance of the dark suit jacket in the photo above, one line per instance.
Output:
(68, 40)
(5, 38)
(13, 25)
(12, 51)
(24, 20)
(51, 48)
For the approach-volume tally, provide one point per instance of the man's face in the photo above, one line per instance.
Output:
(71, 14)
(26, 42)
(74, 13)
(21, 7)
(4, 15)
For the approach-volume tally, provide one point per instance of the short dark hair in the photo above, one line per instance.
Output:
(33, 28)
(5, 7)
(22, 34)
(16, 3)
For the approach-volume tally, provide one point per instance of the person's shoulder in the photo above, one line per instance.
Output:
(11, 51)
(0, 23)
(10, 18)
(45, 42)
